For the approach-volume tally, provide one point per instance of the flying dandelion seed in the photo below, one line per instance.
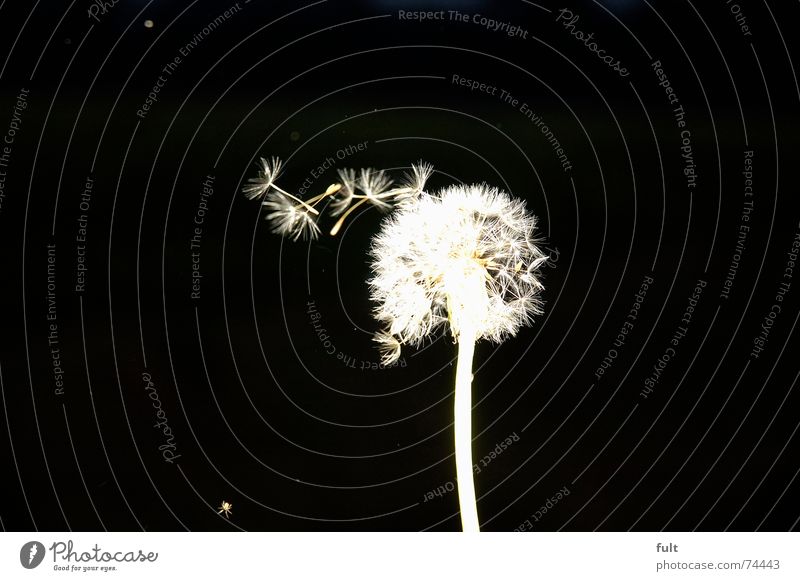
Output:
(347, 192)
(296, 218)
(263, 183)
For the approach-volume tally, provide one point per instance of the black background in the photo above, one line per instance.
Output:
(263, 417)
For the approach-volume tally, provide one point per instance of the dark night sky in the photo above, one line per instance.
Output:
(300, 434)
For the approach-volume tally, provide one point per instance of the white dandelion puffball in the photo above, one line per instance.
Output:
(466, 255)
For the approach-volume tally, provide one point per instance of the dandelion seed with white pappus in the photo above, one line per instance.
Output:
(262, 184)
(296, 218)
(347, 192)
(290, 219)
(288, 214)
(374, 184)
(414, 182)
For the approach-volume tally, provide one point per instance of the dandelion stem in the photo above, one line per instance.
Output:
(463, 430)
(296, 199)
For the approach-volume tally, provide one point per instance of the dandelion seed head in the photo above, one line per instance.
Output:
(466, 255)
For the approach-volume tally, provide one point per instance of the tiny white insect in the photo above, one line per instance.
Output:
(225, 507)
